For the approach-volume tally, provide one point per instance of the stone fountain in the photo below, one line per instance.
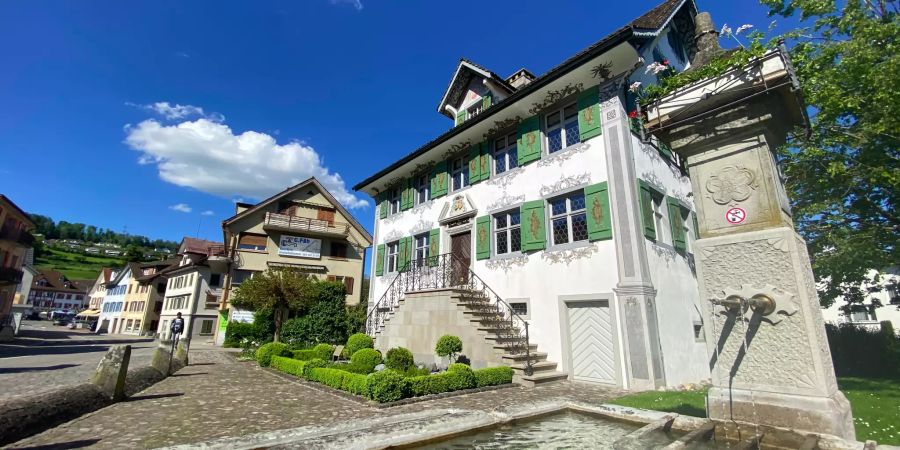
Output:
(768, 353)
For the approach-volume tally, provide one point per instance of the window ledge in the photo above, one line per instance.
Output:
(449, 192)
(576, 146)
(509, 255)
(252, 251)
(568, 246)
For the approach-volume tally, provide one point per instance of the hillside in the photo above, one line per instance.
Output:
(75, 266)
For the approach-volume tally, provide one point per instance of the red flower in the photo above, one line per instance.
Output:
(665, 62)
(634, 114)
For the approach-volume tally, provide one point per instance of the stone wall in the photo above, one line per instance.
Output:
(424, 317)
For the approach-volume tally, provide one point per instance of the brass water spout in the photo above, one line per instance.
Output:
(759, 303)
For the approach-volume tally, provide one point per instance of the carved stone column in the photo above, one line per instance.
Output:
(768, 352)
(634, 291)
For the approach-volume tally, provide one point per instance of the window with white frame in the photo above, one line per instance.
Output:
(459, 174)
(658, 204)
(862, 313)
(505, 154)
(687, 226)
(422, 185)
(422, 242)
(561, 128)
(394, 200)
(568, 221)
(474, 110)
(393, 250)
(507, 232)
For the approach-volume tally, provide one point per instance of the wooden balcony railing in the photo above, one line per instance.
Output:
(306, 224)
(16, 235)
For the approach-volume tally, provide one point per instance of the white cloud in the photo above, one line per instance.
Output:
(207, 213)
(178, 112)
(181, 207)
(355, 3)
(210, 157)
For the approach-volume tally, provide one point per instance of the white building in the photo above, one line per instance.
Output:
(546, 193)
(113, 302)
(194, 289)
(876, 308)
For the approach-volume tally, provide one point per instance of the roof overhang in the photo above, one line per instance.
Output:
(460, 80)
(614, 54)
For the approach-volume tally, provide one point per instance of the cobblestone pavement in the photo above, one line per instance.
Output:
(217, 396)
(45, 356)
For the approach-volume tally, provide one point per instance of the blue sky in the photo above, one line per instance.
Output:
(102, 102)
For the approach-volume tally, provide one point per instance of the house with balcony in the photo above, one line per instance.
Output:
(144, 297)
(15, 242)
(51, 290)
(113, 303)
(193, 287)
(882, 304)
(543, 228)
(303, 227)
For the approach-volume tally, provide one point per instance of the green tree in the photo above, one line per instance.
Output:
(133, 253)
(326, 321)
(845, 178)
(281, 290)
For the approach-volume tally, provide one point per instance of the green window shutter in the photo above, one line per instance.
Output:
(406, 196)
(379, 260)
(646, 202)
(439, 179)
(483, 237)
(475, 164)
(589, 113)
(696, 225)
(403, 255)
(485, 160)
(676, 222)
(383, 206)
(487, 100)
(533, 218)
(528, 144)
(598, 220)
(434, 246)
(460, 116)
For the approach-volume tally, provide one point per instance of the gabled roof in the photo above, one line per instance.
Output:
(309, 181)
(194, 245)
(160, 266)
(465, 71)
(654, 19)
(5, 199)
(56, 281)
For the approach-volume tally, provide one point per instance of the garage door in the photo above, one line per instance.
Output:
(591, 342)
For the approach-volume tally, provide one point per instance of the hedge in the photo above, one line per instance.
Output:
(493, 376)
(454, 379)
(860, 352)
(296, 367)
(399, 359)
(386, 386)
(266, 351)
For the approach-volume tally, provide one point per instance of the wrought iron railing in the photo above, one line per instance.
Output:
(448, 272)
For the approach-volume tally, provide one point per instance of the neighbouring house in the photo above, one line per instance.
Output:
(194, 289)
(113, 302)
(15, 242)
(98, 289)
(545, 201)
(144, 297)
(51, 291)
(878, 307)
(303, 227)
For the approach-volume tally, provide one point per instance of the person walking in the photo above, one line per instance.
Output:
(177, 326)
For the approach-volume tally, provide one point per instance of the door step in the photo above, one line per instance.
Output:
(540, 378)
(516, 358)
(538, 367)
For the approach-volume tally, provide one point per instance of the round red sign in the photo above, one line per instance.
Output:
(735, 216)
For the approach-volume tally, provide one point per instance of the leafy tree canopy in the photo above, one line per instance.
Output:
(845, 177)
(281, 290)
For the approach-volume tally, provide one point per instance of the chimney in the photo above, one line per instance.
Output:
(706, 40)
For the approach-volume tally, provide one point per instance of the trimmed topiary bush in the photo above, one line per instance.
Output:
(458, 366)
(493, 376)
(330, 377)
(266, 351)
(366, 358)
(305, 355)
(399, 359)
(356, 343)
(313, 364)
(354, 384)
(323, 351)
(451, 380)
(386, 386)
(448, 345)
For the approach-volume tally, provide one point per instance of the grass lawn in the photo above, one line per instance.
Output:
(74, 266)
(875, 404)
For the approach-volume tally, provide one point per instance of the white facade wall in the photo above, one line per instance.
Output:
(887, 312)
(194, 311)
(113, 304)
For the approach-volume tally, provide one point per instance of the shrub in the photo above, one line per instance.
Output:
(358, 342)
(324, 351)
(330, 377)
(313, 364)
(448, 345)
(458, 366)
(859, 352)
(416, 372)
(238, 332)
(265, 352)
(325, 321)
(288, 365)
(386, 386)
(366, 358)
(399, 359)
(493, 376)
(305, 355)
(451, 380)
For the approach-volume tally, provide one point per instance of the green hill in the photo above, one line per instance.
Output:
(75, 266)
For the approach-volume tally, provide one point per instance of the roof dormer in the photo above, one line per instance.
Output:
(472, 90)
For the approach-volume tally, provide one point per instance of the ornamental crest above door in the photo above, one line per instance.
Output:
(458, 207)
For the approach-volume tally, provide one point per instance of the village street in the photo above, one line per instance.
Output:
(46, 356)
